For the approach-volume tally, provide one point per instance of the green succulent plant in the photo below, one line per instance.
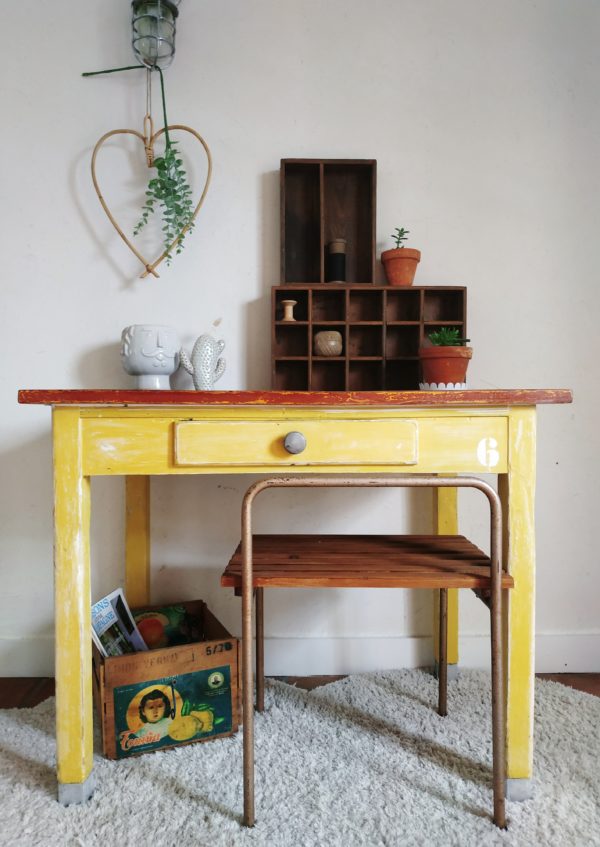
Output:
(447, 336)
(399, 235)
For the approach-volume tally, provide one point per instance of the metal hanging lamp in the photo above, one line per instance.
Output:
(154, 24)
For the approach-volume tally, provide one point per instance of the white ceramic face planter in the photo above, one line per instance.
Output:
(150, 353)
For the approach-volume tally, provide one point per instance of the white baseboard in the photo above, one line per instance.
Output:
(555, 653)
(27, 656)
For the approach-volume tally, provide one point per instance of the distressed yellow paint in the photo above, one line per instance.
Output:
(328, 442)
(445, 516)
(137, 540)
(137, 442)
(228, 413)
(143, 444)
(517, 491)
(72, 601)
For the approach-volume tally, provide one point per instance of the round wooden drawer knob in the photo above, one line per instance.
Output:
(294, 442)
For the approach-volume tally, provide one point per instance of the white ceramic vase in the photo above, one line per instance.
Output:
(150, 352)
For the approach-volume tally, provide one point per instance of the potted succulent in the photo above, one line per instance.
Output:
(444, 363)
(400, 263)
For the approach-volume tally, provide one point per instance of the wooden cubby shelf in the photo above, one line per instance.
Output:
(382, 329)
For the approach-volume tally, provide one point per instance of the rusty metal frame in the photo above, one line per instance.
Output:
(497, 664)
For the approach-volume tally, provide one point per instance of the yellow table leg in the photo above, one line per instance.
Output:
(74, 749)
(445, 516)
(137, 540)
(517, 492)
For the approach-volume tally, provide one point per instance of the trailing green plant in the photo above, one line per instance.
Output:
(399, 235)
(170, 191)
(447, 336)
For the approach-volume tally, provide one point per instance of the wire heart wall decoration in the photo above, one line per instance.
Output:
(148, 139)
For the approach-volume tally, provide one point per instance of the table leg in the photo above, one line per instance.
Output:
(137, 540)
(517, 492)
(74, 744)
(445, 518)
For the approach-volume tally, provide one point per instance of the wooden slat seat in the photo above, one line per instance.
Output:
(364, 561)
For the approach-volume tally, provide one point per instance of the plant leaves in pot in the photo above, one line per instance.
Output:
(400, 263)
(444, 364)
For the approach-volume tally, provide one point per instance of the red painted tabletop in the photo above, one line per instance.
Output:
(132, 397)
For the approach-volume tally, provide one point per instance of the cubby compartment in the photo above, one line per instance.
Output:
(402, 341)
(327, 328)
(365, 376)
(323, 200)
(290, 376)
(301, 222)
(365, 305)
(349, 213)
(402, 306)
(291, 340)
(444, 305)
(402, 375)
(328, 375)
(329, 305)
(365, 341)
(300, 310)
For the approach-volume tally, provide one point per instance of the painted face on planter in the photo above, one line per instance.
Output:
(157, 345)
(149, 348)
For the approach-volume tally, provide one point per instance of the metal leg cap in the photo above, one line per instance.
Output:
(76, 792)
(519, 790)
(453, 672)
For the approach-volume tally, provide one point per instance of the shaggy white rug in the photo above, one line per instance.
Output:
(363, 761)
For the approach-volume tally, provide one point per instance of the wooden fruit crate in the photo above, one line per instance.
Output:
(171, 695)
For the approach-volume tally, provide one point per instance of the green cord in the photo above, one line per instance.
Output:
(164, 105)
(115, 70)
(162, 89)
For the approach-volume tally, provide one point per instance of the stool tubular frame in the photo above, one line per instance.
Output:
(497, 668)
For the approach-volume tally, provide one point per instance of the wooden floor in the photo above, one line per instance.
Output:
(24, 692)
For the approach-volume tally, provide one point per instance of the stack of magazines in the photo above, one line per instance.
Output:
(114, 630)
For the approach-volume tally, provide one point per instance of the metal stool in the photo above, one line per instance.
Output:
(440, 562)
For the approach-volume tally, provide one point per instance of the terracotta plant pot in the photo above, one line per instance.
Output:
(400, 265)
(444, 368)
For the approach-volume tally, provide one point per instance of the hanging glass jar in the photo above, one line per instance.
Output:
(153, 31)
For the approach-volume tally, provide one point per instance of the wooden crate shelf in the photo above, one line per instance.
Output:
(382, 329)
(322, 200)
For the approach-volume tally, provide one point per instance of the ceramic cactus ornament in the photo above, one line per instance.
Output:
(205, 364)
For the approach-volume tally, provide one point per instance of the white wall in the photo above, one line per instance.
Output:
(484, 120)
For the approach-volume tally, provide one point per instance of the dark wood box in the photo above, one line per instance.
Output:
(201, 680)
(323, 200)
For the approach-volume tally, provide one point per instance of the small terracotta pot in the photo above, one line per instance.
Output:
(400, 265)
(444, 367)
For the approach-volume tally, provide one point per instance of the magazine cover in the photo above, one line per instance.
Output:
(114, 626)
(169, 626)
(161, 712)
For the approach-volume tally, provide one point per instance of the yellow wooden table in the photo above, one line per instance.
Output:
(137, 434)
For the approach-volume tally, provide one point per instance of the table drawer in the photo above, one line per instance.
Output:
(328, 442)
